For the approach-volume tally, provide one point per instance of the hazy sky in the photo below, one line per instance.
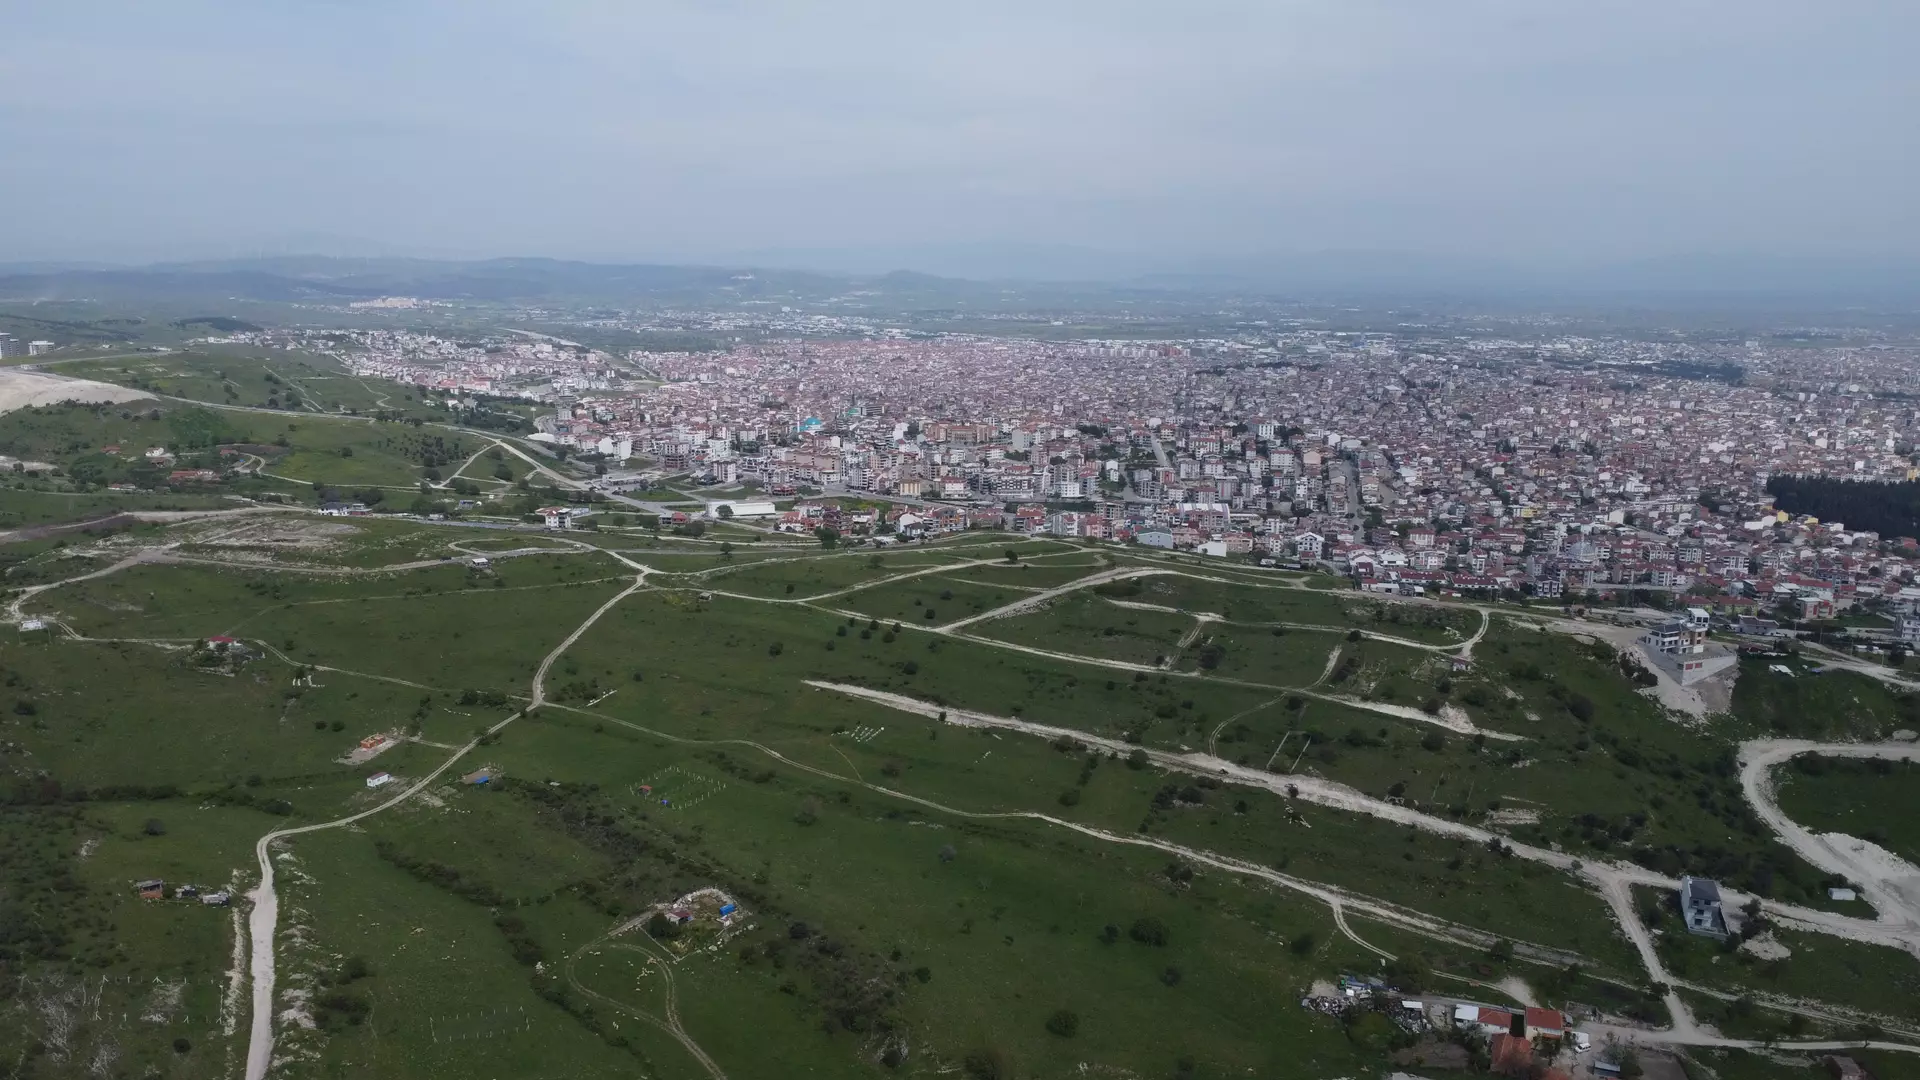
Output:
(1537, 129)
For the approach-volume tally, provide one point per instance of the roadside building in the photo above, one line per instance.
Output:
(1700, 905)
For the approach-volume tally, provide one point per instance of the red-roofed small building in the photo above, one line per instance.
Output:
(1548, 1023)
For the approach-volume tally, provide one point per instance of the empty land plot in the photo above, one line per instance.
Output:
(1254, 604)
(157, 601)
(489, 543)
(466, 639)
(1829, 704)
(1048, 573)
(20, 508)
(1820, 967)
(1873, 799)
(1395, 673)
(346, 454)
(154, 968)
(745, 661)
(302, 539)
(227, 376)
(1286, 658)
(189, 601)
(1086, 625)
(1046, 891)
(929, 600)
(494, 465)
(149, 717)
(447, 988)
(812, 576)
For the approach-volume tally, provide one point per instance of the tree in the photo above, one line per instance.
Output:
(725, 512)
(828, 537)
(1148, 930)
(154, 827)
(1064, 1023)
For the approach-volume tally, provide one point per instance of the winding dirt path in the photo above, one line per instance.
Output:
(263, 919)
(1889, 883)
(1614, 881)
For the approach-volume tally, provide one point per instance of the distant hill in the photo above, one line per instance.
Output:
(1028, 277)
(315, 279)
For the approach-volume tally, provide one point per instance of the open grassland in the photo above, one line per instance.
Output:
(153, 971)
(1809, 705)
(929, 600)
(21, 507)
(1269, 603)
(462, 639)
(292, 451)
(1280, 657)
(1013, 771)
(88, 716)
(1874, 800)
(821, 574)
(843, 887)
(442, 990)
(1819, 967)
(1085, 624)
(197, 601)
(228, 375)
(917, 898)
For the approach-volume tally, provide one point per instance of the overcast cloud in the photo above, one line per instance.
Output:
(627, 129)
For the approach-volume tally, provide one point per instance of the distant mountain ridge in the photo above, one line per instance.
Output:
(1324, 275)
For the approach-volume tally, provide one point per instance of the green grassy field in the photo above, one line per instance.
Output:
(1832, 704)
(916, 898)
(1085, 624)
(819, 574)
(1270, 603)
(1820, 967)
(235, 375)
(1872, 799)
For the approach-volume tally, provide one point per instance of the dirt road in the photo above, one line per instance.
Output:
(1614, 881)
(1889, 883)
(263, 919)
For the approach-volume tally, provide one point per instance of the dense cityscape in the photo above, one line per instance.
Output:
(1563, 466)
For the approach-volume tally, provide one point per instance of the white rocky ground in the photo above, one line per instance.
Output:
(19, 389)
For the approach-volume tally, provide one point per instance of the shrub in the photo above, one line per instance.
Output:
(1064, 1023)
(1148, 931)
